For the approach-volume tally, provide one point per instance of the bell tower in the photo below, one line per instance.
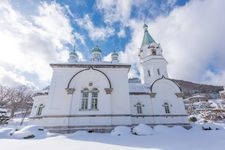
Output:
(153, 64)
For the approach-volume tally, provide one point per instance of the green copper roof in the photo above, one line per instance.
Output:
(73, 53)
(147, 39)
(96, 49)
(114, 54)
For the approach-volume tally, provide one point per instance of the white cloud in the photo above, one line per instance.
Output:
(121, 11)
(81, 38)
(115, 10)
(192, 38)
(53, 22)
(214, 78)
(11, 78)
(107, 57)
(95, 33)
(121, 33)
(130, 55)
(133, 73)
(80, 56)
(29, 46)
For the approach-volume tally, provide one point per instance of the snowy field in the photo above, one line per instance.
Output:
(161, 138)
(174, 141)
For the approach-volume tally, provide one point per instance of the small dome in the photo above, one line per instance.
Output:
(96, 49)
(114, 57)
(73, 53)
(114, 54)
(73, 57)
(96, 54)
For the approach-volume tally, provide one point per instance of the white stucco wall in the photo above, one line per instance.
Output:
(166, 93)
(147, 109)
(150, 63)
(113, 108)
(38, 100)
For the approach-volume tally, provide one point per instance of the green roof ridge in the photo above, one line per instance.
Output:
(115, 53)
(147, 39)
(96, 49)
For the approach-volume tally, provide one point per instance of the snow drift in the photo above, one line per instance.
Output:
(142, 129)
(27, 132)
(121, 130)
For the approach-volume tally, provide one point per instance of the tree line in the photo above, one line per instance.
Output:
(16, 99)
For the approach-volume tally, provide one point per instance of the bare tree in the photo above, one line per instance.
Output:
(16, 99)
(20, 99)
(4, 95)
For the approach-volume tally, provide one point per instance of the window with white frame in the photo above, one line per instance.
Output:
(85, 95)
(40, 109)
(89, 99)
(167, 108)
(94, 99)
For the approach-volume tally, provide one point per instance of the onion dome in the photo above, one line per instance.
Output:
(114, 57)
(96, 49)
(73, 57)
(114, 54)
(96, 54)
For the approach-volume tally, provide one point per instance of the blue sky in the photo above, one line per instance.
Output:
(36, 33)
(81, 8)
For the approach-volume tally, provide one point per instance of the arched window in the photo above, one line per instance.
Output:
(167, 108)
(40, 109)
(139, 108)
(153, 52)
(94, 99)
(84, 103)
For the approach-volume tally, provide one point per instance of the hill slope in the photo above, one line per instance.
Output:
(190, 88)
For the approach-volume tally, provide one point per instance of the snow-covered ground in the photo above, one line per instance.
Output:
(162, 138)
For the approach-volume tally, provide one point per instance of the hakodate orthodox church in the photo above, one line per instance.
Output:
(97, 95)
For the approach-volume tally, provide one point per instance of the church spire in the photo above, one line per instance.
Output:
(153, 64)
(147, 39)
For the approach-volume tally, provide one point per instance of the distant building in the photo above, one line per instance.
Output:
(3, 111)
(222, 94)
(97, 96)
(196, 98)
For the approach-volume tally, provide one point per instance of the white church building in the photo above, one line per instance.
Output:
(97, 95)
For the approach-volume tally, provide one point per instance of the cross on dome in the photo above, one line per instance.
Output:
(73, 57)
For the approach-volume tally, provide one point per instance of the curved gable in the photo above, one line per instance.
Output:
(165, 82)
(88, 69)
